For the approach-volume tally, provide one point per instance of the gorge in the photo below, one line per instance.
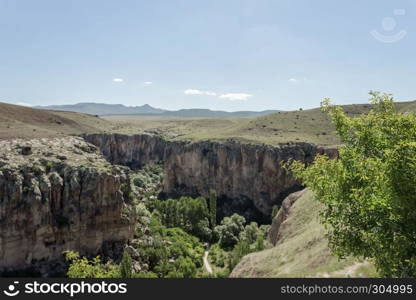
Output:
(248, 179)
(73, 193)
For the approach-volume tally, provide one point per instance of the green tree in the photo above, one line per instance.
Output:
(229, 230)
(369, 193)
(250, 233)
(241, 248)
(161, 250)
(190, 214)
(213, 208)
(126, 268)
(185, 267)
(82, 267)
(260, 243)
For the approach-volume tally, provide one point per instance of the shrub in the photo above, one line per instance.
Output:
(82, 267)
(275, 210)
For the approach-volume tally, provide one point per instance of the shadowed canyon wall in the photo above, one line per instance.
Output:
(248, 179)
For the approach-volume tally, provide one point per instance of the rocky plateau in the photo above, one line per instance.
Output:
(59, 194)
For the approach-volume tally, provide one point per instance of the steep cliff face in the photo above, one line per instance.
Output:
(57, 195)
(133, 151)
(275, 233)
(248, 179)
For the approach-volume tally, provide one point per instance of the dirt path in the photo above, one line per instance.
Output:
(349, 271)
(207, 265)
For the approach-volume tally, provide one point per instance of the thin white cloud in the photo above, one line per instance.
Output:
(228, 96)
(24, 104)
(118, 80)
(298, 80)
(193, 92)
(199, 92)
(235, 96)
(147, 83)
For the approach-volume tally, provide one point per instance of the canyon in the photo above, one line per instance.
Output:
(247, 178)
(74, 193)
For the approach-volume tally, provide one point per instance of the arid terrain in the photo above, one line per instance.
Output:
(312, 126)
(25, 122)
(57, 177)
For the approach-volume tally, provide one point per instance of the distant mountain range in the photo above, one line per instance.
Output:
(103, 109)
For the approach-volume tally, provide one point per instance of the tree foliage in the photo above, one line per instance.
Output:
(170, 252)
(369, 193)
(126, 269)
(229, 230)
(82, 267)
(190, 214)
(213, 208)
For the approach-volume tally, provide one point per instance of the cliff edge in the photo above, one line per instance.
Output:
(55, 195)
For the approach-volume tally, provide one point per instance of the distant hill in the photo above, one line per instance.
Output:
(103, 109)
(311, 125)
(25, 122)
(207, 113)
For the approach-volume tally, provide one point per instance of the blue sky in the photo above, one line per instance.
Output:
(229, 54)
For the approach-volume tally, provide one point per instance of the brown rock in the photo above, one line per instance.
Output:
(249, 179)
(71, 205)
(281, 216)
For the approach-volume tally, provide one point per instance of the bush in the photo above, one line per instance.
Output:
(275, 210)
(82, 267)
(218, 256)
(241, 249)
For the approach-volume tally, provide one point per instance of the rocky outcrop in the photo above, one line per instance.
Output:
(133, 151)
(281, 216)
(248, 179)
(57, 195)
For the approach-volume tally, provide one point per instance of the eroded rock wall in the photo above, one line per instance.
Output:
(275, 233)
(57, 195)
(248, 179)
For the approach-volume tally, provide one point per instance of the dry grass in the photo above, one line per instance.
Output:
(25, 122)
(303, 250)
(307, 125)
(311, 125)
